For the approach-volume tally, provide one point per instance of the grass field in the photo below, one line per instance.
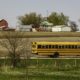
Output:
(41, 34)
(41, 69)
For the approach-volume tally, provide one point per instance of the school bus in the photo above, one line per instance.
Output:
(56, 49)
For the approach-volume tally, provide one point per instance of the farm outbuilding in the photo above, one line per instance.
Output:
(24, 28)
(66, 28)
(60, 28)
(3, 24)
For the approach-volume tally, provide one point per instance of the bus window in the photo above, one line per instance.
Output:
(49, 46)
(66, 46)
(78, 46)
(69, 46)
(56, 46)
(43, 46)
(63, 46)
(75, 46)
(39, 46)
(52, 46)
(46, 46)
(59, 47)
(72, 46)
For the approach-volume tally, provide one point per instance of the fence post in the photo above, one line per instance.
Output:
(75, 62)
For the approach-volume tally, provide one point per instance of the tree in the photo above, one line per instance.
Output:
(31, 18)
(73, 26)
(58, 19)
(15, 46)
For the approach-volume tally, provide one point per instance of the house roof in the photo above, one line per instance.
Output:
(60, 26)
(46, 23)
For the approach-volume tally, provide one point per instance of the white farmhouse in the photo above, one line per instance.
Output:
(66, 28)
(60, 28)
(24, 28)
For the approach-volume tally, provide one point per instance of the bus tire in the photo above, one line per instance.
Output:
(55, 55)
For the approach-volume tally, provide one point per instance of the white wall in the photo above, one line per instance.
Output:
(56, 29)
(66, 29)
(24, 28)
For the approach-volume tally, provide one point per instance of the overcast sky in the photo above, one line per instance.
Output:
(11, 9)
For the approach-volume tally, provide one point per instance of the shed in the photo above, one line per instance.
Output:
(24, 28)
(3, 24)
(61, 28)
(56, 28)
(66, 28)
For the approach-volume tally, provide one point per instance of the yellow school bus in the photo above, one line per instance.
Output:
(56, 49)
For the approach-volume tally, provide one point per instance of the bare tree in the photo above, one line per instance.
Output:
(73, 26)
(16, 45)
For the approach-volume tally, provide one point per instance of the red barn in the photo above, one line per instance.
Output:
(3, 24)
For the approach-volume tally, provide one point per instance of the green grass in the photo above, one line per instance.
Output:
(41, 69)
(40, 76)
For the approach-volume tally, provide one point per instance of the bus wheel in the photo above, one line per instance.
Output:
(56, 55)
(36, 53)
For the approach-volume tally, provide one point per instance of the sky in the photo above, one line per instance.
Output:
(11, 9)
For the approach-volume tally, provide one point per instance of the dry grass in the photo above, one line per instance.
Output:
(44, 34)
